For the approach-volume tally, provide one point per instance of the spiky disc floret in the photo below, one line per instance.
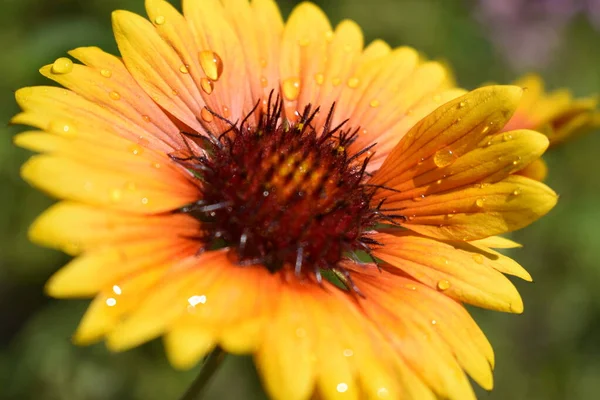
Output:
(282, 194)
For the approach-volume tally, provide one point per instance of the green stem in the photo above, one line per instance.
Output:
(210, 366)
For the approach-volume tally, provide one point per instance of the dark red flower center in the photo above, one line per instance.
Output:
(283, 194)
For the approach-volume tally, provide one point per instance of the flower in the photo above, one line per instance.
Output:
(276, 189)
(557, 114)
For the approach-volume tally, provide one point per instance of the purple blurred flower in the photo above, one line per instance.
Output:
(528, 31)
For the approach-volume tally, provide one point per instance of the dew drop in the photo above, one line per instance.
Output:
(156, 165)
(144, 200)
(443, 284)
(159, 20)
(319, 78)
(516, 162)
(226, 113)
(433, 322)
(211, 64)
(419, 198)
(114, 95)
(506, 137)
(107, 73)
(264, 82)
(136, 150)
(516, 192)
(383, 393)
(479, 203)
(336, 81)
(348, 352)
(462, 104)
(291, 88)
(263, 63)
(184, 69)
(353, 82)
(485, 130)
(342, 387)
(111, 302)
(61, 128)
(444, 158)
(439, 181)
(206, 115)
(478, 258)
(174, 92)
(206, 85)
(146, 118)
(115, 195)
(374, 103)
(62, 65)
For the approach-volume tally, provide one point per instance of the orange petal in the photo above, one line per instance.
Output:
(105, 81)
(74, 228)
(458, 127)
(464, 273)
(155, 65)
(481, 210)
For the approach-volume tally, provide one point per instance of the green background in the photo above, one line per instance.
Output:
(552, 351)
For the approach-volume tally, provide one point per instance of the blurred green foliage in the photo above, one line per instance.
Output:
(552, 351)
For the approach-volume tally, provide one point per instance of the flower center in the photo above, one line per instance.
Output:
(283, 194)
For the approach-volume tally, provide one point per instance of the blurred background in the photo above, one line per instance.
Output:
(552, 351)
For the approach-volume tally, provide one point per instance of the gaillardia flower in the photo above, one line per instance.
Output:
(279, 190)
(557, 114)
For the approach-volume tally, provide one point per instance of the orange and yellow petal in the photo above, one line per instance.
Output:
(557, 114)
(450, 176)
(466, 272)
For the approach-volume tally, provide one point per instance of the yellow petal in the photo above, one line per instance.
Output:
(468, 276)
(481, 210)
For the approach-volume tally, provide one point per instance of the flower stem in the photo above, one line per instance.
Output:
(210, 366)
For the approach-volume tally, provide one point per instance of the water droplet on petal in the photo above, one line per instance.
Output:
(107, 73)
(206, 115)
(374, 103)
(506, 137)
(485, 129)
(342, 387)
(62, 66)
(211, 64)
(61, 128)
(264, 82)
(136, 150)
(263, 62)
(115, 195)
(226, 112)
(444, 158)
(439, 181)
(111, 302)
(146, 118)
(184, 69)
(206, 85)
(516, 192)
(383, 393)
(433, 322)
(144, 200)
(159, 20)
(479, 203)
(114, 95)
(353, 82)
(348, 352)
(443, 284)
(478, 258)
(319, 78)
(291, 88)
(462, 104)
(516, 162)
